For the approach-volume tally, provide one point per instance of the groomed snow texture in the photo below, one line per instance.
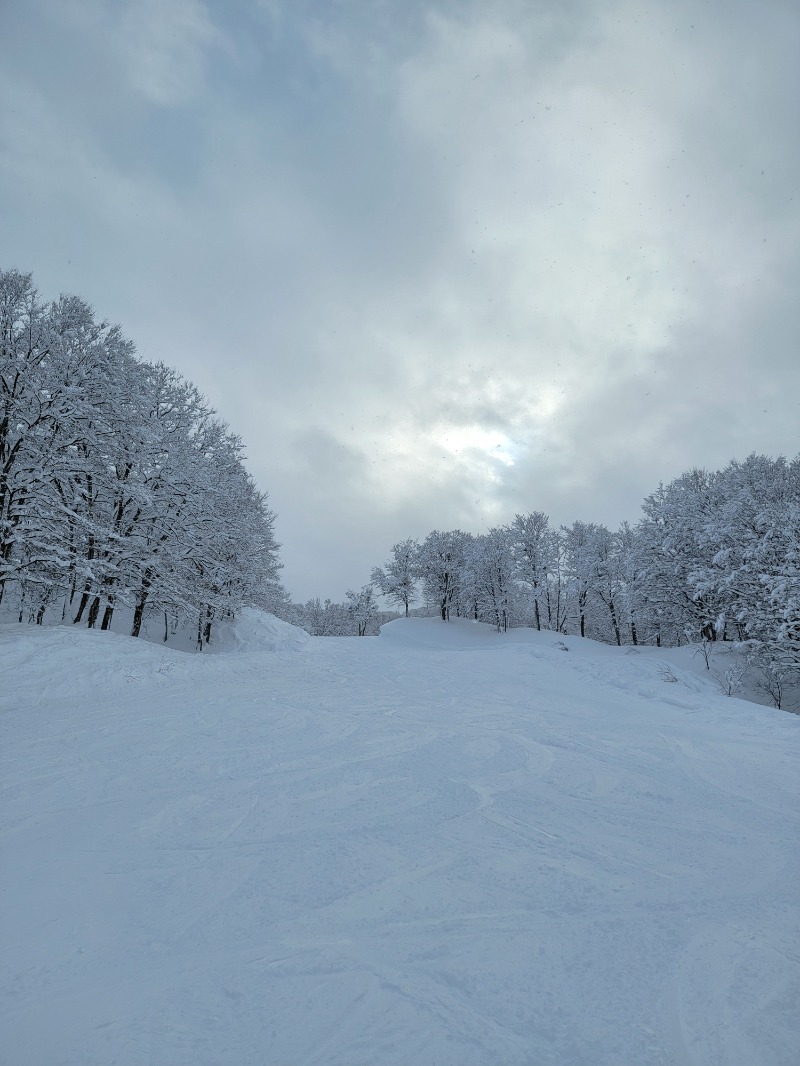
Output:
(439, 847)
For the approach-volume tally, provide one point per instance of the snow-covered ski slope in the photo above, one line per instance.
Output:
(441, 846)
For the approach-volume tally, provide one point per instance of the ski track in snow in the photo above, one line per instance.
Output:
(440, 847)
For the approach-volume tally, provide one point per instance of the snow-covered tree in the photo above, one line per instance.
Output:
(716, 557)
(50, 357)
(631, 567)
(396, 579)
(490, 577)
(581, 563)
(608, 575)
(681, 589)
(362, 607)
(441, 569)
(532, 551)
(118, 484)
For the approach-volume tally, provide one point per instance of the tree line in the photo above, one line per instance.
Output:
(715, 557)
(119, 486)
(360, 614)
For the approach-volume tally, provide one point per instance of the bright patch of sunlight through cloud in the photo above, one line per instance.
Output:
(491, 444)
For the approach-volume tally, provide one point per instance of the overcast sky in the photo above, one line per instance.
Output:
(436, 262)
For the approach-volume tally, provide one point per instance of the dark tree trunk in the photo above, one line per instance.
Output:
(94, 610)
(87, 585)
(5, 556)
(615, 623)
(141, 603)
(138, 614)
(582, 607)
(83, 604)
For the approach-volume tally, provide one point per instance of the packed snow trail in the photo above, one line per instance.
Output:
(440, 846)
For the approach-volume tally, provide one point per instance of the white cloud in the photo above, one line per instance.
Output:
(165, 45)
(434, 268)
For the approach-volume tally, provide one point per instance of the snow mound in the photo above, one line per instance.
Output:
(434, 633)
(257, 631)
(463, 634)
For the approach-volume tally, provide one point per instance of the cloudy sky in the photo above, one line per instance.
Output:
(436, 262)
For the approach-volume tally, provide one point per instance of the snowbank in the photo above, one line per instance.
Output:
(256, 631)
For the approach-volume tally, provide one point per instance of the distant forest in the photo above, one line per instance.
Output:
(120, 488)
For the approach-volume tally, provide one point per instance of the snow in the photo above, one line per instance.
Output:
(439, 846)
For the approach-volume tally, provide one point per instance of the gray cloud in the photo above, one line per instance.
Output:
(436, 263)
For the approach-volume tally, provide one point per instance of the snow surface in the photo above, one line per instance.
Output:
(439, 846)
